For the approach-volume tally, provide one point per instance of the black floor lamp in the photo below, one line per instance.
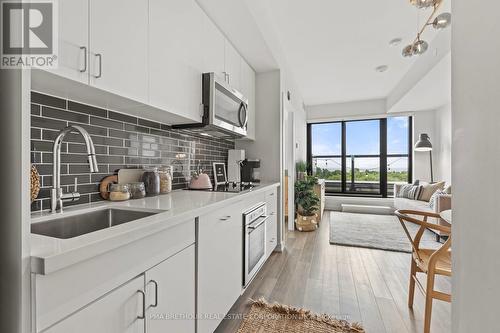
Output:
(424, 144)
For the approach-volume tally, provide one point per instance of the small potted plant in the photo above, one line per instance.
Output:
(307, 203)
(301, 169)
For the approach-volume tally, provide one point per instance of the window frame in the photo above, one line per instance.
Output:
(383, 156)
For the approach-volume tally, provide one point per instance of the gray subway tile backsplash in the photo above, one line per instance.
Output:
(121, 141)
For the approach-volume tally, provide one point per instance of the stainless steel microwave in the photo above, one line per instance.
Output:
(225, 110)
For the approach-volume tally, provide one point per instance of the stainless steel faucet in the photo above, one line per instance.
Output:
(57, 197)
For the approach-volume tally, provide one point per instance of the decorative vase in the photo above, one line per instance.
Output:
(306, 223)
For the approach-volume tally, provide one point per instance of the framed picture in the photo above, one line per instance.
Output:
(220, 176)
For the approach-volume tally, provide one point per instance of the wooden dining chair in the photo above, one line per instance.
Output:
(432, 262)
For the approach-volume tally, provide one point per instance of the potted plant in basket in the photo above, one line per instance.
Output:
(307, 203)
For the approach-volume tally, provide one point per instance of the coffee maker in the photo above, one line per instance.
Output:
(249, 171)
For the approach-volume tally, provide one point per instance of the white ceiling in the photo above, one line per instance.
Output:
(330, 47)
(435, 86)
(333, 47)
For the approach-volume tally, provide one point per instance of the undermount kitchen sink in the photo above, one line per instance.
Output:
(77, 225)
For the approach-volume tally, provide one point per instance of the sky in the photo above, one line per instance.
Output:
(362, 138)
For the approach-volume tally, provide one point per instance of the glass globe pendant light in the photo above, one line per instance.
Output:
(442, 21)
(408, 51)
(420, 46)
(425, 3)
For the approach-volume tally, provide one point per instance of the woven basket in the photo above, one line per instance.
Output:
(306, 223)
(35, 183)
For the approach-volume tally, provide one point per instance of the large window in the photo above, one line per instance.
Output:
(361, 157)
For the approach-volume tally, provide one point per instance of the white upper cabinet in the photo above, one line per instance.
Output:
(248, 90)
(119, 47)
(175, 55)
(73, 40)
(213, 49)
(150, 51)
(232, 65)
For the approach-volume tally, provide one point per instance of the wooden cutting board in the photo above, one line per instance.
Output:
(126, 176)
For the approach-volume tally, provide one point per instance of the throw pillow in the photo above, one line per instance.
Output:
(409, 191)
(447, 189)
(433, 200)
(429, 189)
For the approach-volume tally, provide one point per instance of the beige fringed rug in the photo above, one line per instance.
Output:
(277, 318)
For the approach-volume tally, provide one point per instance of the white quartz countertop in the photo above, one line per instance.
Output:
(50, 254)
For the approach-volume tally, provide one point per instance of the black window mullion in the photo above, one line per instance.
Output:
(309, 150)
(344, 151)
(410, 150)
(383, 157)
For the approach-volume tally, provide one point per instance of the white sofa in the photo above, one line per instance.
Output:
(443, 202)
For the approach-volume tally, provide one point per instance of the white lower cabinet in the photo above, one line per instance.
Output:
(170, 290)
(120, 311)
(160, 300)
(220, 258)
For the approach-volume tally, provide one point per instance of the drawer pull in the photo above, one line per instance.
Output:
(84, 49)
(99, 56)
(156, 293)
(143, 296)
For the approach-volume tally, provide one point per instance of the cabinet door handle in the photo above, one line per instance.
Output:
(143, 296)
(156, 293)
(84, 69)
(225, 218)
(99, 56)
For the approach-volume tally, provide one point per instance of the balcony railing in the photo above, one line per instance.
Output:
(367, 188)
(362, 173)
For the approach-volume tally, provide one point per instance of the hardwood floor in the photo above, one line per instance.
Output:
(356, 284)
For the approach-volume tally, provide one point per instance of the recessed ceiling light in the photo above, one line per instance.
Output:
(381, 68)
(395, 41)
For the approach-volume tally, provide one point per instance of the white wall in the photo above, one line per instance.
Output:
(443, 143)
(15, 276)
(266, 146)
(348, 110)
(288, 84)
(300, 122)
(437, 124)
(475, 167)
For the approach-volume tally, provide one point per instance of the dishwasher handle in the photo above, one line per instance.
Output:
(255, 225)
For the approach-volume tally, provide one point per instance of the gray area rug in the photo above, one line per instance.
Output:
(382, 232)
